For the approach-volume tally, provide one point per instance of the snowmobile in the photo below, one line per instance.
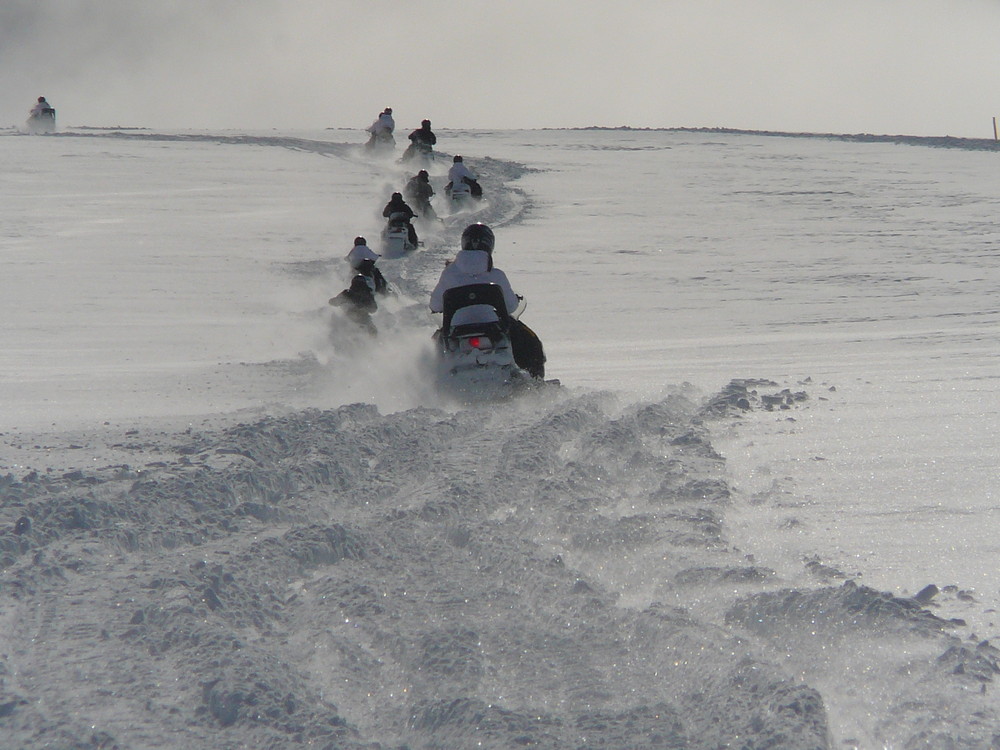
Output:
(476, 357)
(420, 152)
(418, 193)
(381, 143)
(43, 121)
(358, 303)
(425, 211)
(396, 237)
(461, 197)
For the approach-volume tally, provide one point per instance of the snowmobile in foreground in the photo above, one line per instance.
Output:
(476, 357)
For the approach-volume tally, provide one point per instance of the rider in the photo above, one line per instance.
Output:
(421, 140)
(419, 191)
(397, 205)
(362, 259)
(424, 134)
(473, 264)
(461, 173)
(359, 303)
(381, 130)
(41, 107)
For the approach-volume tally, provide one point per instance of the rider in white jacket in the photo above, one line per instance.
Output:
(474, 265)
(40, 106)
(384, 125)
(362, 259)
(460, 172)
(360, 253)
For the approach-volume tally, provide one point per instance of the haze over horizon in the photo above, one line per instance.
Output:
(919, 68)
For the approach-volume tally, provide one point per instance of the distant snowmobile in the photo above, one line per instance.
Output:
(419, 152)
(42, 120)
(418, 191)
(381, 143)
(396, 237)
(463, 186)
(421, 146)
(461, 197)
(381, 140)
(358, 302)
(464, 195)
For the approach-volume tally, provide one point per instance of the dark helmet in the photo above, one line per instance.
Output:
(41, 99)
(360, 241)
(457, 158)
(425, 123)
(397, 197)
(478, 237)
(387, 111)
(422, 174)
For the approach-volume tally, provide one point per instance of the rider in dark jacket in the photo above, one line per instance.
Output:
(422, 142)
(419, 191)
(358, 302)
(376, 281)
(423, 135)
(397, 205)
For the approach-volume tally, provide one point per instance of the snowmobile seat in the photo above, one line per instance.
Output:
(398, 220)
(479, 297)
(475, 315)
(476, 319)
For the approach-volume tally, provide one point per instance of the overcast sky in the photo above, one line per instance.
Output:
(848, 66)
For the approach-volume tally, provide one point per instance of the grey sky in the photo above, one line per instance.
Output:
(877, 66)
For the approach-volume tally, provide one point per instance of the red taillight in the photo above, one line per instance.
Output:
(479, 343)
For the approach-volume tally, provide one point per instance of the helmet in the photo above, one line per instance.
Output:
(478, 237)
(422, 174)
(397, 197)
(388, 110)
(360, 241)
(457, 158)
(41, 99)
(425, 123)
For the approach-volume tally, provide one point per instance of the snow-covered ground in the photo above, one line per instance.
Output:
(227, 520)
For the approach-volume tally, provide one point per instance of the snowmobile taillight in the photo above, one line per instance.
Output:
(480, 342)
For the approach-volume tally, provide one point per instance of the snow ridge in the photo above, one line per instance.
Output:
(422, 579)
(347, 577)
